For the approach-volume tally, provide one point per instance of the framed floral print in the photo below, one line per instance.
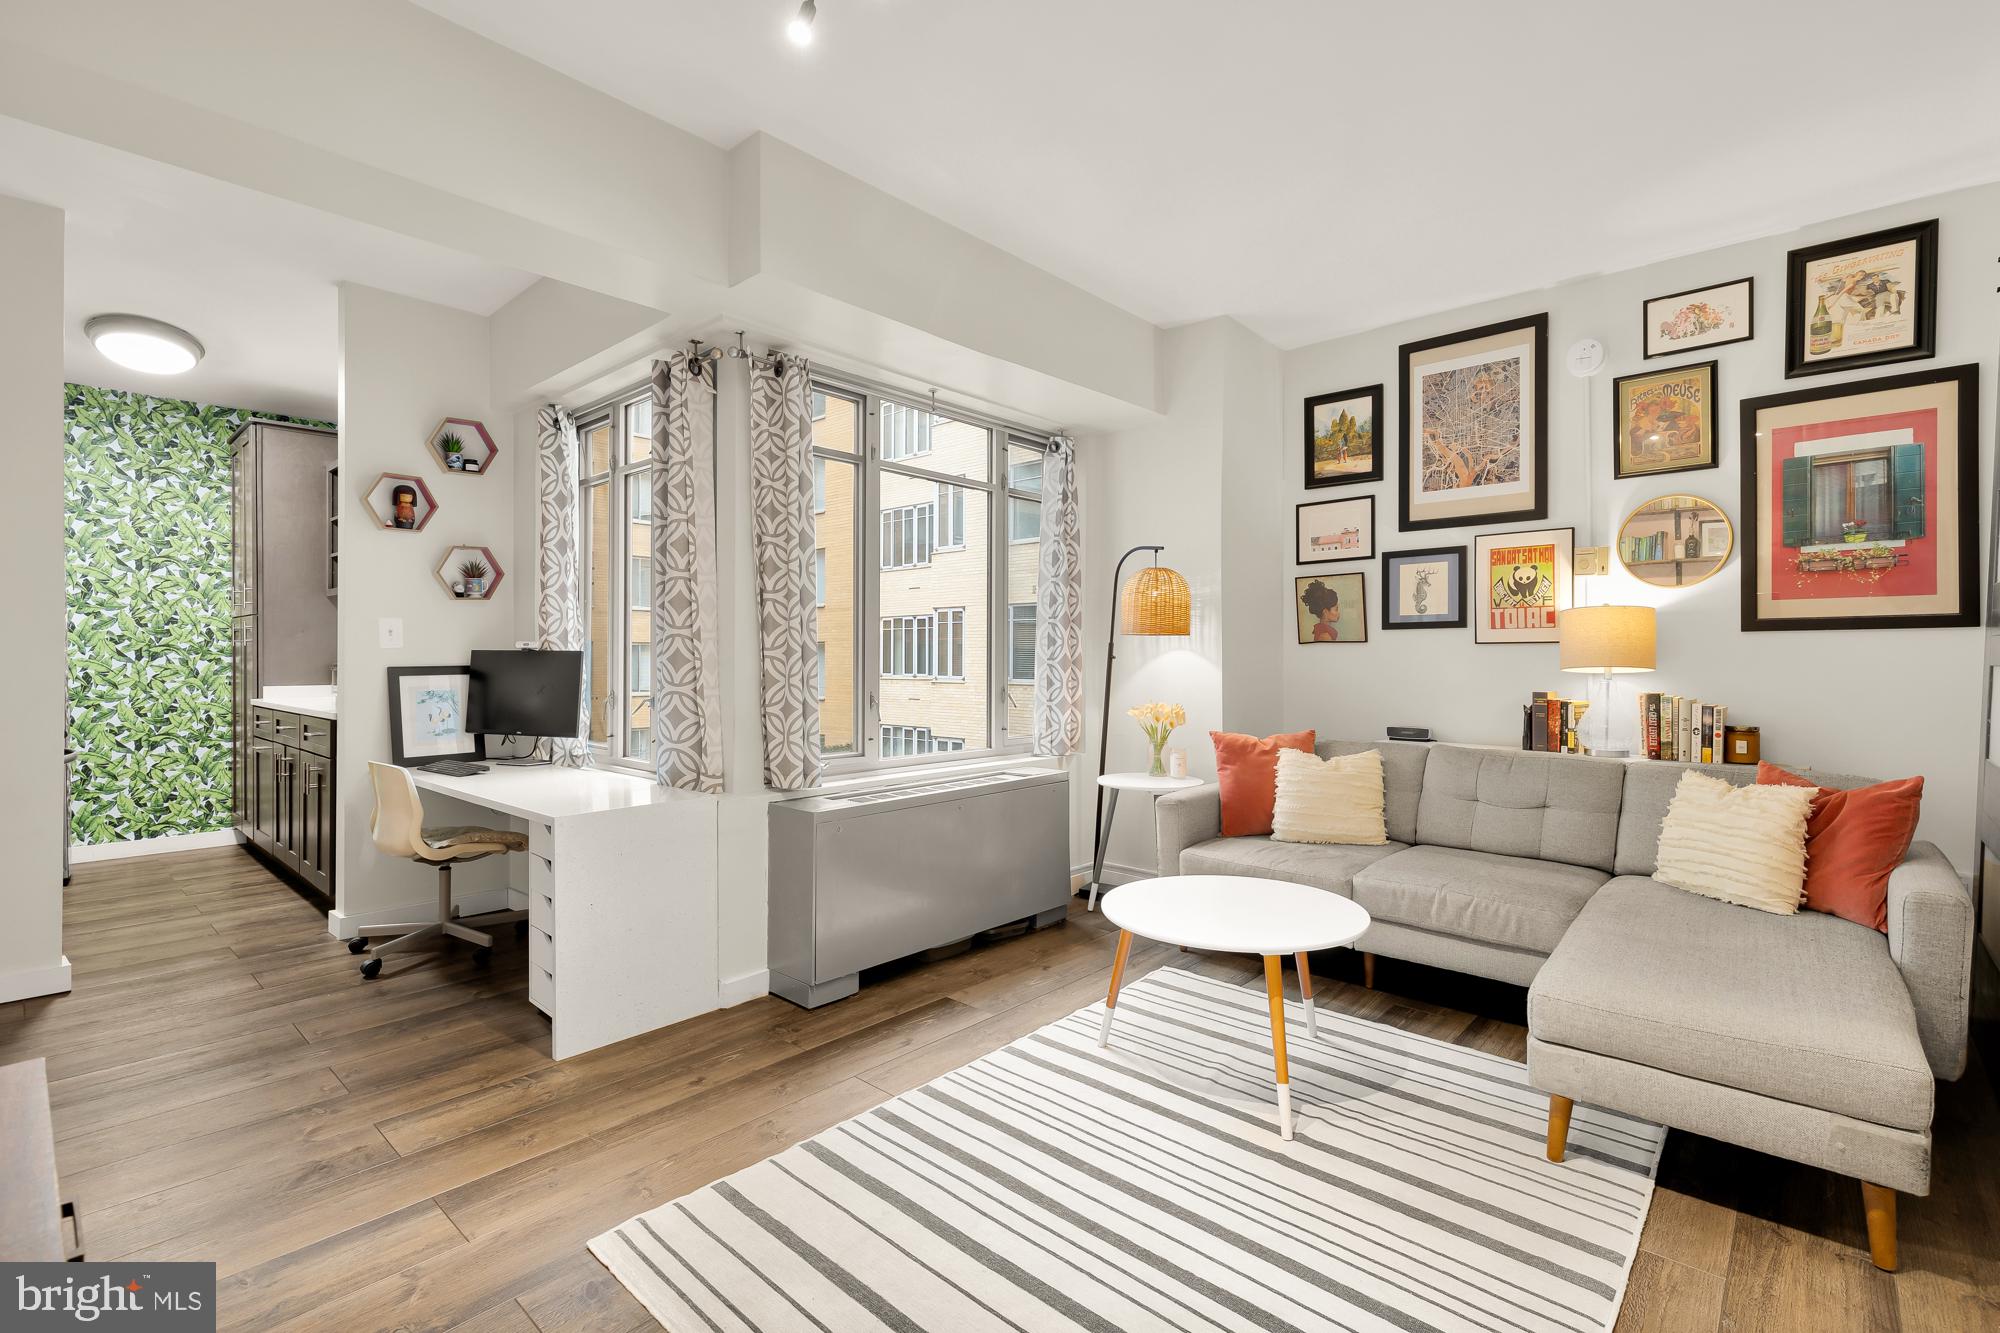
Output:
(1520, 585)
(1663, 421)
(1342, 445)
(1858, 504)
(1472, 410)
(1699, 317)
(1331, 608)
(1424, 589)
(1333, 530)
(1863, 301)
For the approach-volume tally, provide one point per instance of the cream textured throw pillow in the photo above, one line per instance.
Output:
(1329, 800)
(1740, 844)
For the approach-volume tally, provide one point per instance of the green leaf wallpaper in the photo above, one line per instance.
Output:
(147, 499)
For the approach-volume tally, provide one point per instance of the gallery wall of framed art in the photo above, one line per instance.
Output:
(1472, 419)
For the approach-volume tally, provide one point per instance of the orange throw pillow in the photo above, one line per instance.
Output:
(1853, 840)
(1247, 770)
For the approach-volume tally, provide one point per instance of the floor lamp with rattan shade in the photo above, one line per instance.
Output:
(1156, 604)
(1612, 640)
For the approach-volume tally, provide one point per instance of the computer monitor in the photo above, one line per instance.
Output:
(524, 692)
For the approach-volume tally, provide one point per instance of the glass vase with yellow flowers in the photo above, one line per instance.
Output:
(1158, 722)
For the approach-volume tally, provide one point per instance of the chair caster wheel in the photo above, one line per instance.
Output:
(357, 945)
(372, 968)
(482, 956)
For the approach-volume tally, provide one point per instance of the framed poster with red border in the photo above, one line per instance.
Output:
(1858, 506)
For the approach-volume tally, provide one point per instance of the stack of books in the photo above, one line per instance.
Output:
(1550, 723)
(1649, 547)
(1682, 729)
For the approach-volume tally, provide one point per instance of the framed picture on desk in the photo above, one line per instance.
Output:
(427, 708)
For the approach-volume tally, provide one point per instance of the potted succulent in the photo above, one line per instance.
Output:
(454, 451)
(473, 573)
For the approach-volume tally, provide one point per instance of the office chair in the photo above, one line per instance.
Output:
(399, 831)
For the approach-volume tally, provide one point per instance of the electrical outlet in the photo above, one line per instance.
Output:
(525, 645)
(389, 632)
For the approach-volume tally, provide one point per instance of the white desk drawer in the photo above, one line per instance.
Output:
(542, 838)
(541, 990)
(541, 911)
(541, 875)
(541, 952)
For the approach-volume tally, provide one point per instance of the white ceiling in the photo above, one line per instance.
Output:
(1313, 167)
(249, 275)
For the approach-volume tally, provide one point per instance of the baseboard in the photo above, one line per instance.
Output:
(35, 981)
(744, 988)
(1114, 875)
(83, 853)
(472, 902)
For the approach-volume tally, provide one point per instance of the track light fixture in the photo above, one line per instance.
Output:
(800, 30)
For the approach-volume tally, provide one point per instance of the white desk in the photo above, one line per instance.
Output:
(621, 897)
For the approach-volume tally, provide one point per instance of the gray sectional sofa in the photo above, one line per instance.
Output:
(1807, 1037)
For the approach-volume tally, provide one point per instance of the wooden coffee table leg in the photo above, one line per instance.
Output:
(1274, 987)
(1306, 994)
(1117, 975)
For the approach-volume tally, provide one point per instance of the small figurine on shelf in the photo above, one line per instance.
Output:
(1158, 722)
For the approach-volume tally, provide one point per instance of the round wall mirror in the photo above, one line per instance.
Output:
(1675, 541)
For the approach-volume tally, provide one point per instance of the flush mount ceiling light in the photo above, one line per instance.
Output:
(800, 29)
(145, 345)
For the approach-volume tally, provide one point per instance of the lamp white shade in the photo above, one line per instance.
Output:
(1608, 638)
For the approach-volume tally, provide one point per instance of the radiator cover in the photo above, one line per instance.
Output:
(864, 877)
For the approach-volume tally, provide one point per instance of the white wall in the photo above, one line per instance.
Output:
(1881, 702)
(32, 670)
(404, 366)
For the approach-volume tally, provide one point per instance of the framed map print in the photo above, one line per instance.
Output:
(1424, 589)
(1701, 317)
(1663, 421)
(1858, 505)
(1330, 530)
(1341, 446)
(1865, 301)
(1472, 410)
(1520, 585)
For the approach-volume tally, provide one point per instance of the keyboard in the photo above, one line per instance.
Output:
(452, 768)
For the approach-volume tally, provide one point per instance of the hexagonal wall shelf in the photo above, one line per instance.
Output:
(400, 502)
(475, 449)
(470, 573)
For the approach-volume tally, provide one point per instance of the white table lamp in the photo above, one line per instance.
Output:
(1610, 640)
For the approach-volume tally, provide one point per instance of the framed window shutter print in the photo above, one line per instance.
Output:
(1862, 301)
(1520, 585)
(1858, 507)
(1472, 414)
(1343, 441)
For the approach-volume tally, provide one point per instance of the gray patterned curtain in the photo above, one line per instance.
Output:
(1059, 627)
(782, 534)
(559, 573)
(687, 685)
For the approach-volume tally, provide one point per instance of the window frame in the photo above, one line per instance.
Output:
(614, 412)
(1034, 629)
(870, 466)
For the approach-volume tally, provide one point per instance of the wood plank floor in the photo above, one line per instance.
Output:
(403, 1154)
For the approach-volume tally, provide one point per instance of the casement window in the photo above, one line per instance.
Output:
(1866, 495)
(927, 545)
(615, 523)
(1021, 643)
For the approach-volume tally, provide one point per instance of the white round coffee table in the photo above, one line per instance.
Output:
(1237, 914)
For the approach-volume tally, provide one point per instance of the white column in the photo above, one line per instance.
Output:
(33, 669)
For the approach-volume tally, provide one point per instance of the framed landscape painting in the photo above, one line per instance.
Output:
(1520, 585)
(1424, 589)
(1699, 317)
(1341, 445)
(1858, 504)
(1331, 608)
(1864, 301)
(1332, 530)
(1663, 421)
(1472, 411)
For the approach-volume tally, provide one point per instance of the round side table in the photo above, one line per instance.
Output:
(1113, 783)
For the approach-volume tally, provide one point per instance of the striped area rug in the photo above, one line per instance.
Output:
(1056, 1186)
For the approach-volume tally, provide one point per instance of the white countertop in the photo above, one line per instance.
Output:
(312, 700)
(547, 792)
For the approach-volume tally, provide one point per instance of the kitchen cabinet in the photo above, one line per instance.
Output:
(291, 785)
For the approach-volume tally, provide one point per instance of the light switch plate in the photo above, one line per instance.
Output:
(389, 631)
(1591, 560)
